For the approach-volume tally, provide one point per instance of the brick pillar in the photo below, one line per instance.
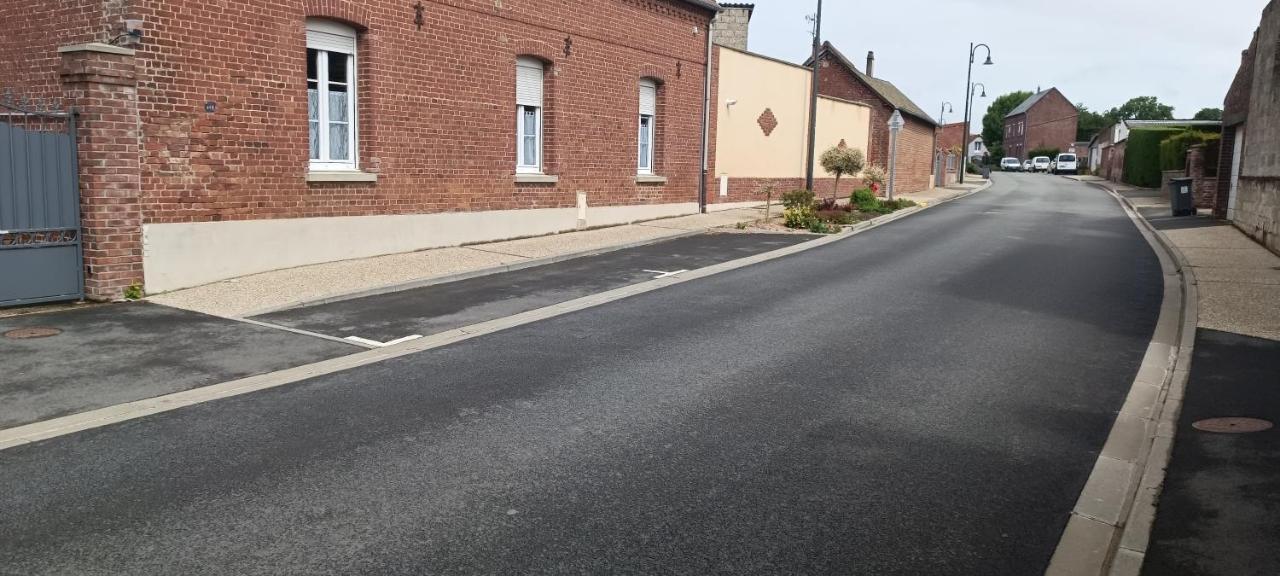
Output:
(100, 82)
(1205, 184)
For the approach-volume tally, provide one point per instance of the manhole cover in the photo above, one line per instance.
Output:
(1232, 425)
(32, 332)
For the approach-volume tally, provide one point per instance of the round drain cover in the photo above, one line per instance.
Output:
(32, 332)
(1232, 425)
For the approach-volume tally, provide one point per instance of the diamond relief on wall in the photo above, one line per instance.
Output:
(767, 121)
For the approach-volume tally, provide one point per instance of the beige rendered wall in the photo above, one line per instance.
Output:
(755, 84)
(840, 121)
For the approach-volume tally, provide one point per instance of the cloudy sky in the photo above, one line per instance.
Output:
(1097, 52)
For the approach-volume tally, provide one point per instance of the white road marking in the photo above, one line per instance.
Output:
(661, 274)
(378, 344)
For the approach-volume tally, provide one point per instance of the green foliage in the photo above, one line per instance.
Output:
(798, 198)
(839, 161)
(1050, 152)
(798, 217)
(1142, 156)
(820, 226)
(993, 121)
(1209, 114)
(134, 292)
(1173, 150)
(1090, 123)
(1141, 108)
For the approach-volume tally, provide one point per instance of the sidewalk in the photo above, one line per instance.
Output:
(1218, 509)
(269, 291)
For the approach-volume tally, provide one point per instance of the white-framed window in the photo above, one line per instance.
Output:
(648, 125)
(529, 78)
(331, 94)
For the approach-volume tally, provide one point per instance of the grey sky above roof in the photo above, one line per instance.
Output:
(1097, 52)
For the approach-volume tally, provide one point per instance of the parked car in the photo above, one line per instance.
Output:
(1040, 163)
(1027, 166)
(1010, 165)
(1065, 164)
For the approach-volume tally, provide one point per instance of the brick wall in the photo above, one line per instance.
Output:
(952, 136)
(915, 150)
(29, 60)
(1204, 178)
(436, 105)
(1052, 123)
(101, 84)
(1015, 140)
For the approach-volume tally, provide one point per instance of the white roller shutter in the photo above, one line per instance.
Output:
(648, 98)
(331, 36)
(528, 82)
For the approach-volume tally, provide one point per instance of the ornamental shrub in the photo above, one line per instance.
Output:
(842, 161)
(799, 198)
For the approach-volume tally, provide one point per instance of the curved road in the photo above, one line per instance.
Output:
(925, 398)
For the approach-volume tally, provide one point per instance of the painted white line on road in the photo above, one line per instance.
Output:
(64, 425)
(661, 274)
(377, 344)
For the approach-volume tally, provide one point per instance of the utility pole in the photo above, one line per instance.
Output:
(813, 98)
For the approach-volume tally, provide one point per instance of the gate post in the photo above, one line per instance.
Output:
(100, 82)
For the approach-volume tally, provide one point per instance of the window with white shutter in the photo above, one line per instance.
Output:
(331, 95)
(648, 115)
(529, 77)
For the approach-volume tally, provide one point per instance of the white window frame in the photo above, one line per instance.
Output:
(644, 161)
(523, 166)
(328, 37)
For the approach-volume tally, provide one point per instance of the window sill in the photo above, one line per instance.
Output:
(340, 176)
(650, 179)
(528, 178)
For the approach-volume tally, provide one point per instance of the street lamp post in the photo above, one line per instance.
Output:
(946, 107)
(813, 99)
(895, 126)
(968, 83)
(973, 88)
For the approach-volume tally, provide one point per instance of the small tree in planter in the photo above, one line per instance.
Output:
(875, 178)
(766, 189)
(842, 160)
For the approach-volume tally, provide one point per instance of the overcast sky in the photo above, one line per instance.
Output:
(1097, 52)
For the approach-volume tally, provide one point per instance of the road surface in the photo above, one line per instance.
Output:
(925, 398)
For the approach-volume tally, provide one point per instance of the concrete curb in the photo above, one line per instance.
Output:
(65, 425)
(1109, 528)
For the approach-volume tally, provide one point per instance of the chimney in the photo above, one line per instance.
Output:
(730, 26)
(871, 64)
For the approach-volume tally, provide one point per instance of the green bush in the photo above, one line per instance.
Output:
(1142, 156)
(800, 198)
(862, 195)
(1173, 150)
(820, 226)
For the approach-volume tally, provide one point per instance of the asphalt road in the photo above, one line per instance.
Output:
(442, 307)
(925, 398)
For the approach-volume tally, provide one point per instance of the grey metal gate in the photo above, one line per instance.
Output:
(40, 252)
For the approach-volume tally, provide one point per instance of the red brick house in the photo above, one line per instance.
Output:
(1045, 120)
(241, 136)
(839, 78)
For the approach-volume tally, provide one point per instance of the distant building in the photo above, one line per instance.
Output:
(977, 149)
(1045, 120)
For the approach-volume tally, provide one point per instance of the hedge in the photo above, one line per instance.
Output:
(1173, 150)
(1142, 156)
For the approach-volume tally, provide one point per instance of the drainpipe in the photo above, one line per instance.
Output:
(706, 127)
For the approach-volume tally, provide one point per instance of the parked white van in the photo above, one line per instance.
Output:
(1065, 164)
